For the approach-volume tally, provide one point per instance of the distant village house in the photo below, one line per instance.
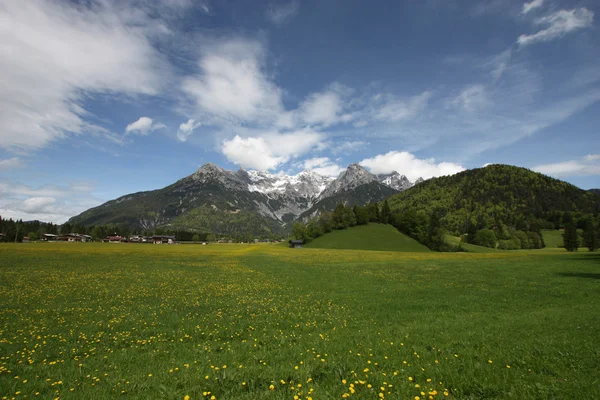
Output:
(163, 239)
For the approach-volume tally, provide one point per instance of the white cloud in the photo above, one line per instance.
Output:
(57, 52)
(278, 14)
(348, 147)
(323, 166)
(315, 162)
(394, 109)
(36, 205)
(559, 24)
(49, 203)
(471, 98)
(407, 164)
(588, 165)
(186, 129)
(9, 164)
(592, 157)
(143, 126)
(532, 5)
(232, 85)
(271, 149)
(322, 108)
(252, 153)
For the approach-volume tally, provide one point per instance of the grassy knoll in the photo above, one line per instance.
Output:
(368, 237)
(94, 321)
(553, 238)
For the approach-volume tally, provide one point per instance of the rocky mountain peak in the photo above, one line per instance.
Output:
(210, 172)
(355, 175)
(395, 180)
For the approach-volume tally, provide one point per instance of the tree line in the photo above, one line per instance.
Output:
(427, 228)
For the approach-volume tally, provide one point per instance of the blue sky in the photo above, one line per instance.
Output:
(103, 97)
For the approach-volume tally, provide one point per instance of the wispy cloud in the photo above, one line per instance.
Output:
(323, 166)
(586, 166)
(532, 5)
(186, 129)
(59, 53)
(470, 99)
(280, 13)
(10, 164)
(558, 24)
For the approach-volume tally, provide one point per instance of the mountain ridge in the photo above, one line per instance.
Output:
(277, 198)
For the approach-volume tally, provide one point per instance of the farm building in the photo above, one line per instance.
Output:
(163, 239)
(296, 244)
(74, 237)
(115, 239)
(49, 237)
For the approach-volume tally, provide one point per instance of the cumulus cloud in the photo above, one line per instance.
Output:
(407, 164)
(271, 149)
(588, 165)
(186, 129)
(49, 203)
(9, 164)
(60, 51)
(531, 5)
(232, 85)
(143, 126)
(559, 24)
(278, 14)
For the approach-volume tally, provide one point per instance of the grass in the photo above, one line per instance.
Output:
(97, 321)
(553, 238)
(468, 247)
(368, 237)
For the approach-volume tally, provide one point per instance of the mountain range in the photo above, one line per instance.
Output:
(214, 199)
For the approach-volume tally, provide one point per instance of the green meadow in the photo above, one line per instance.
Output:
(102, 321)
(368, 237)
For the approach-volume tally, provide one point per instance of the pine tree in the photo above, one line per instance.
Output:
(570, 237)
(385, 212)
(590, 239)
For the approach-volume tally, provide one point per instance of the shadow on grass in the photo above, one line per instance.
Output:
(588, 275)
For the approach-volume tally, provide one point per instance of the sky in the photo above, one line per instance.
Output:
(100, 98)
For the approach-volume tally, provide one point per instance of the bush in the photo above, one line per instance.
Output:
(485, 238)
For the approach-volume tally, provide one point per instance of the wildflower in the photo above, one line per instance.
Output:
(186, 397)
(271, 387)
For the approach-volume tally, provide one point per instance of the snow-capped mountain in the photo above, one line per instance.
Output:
(307, 184)
(396, 181)
(276, 199)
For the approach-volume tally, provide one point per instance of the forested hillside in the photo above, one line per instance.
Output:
(495, 195)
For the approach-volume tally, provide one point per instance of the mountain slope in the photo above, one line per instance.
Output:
(368, 237)
(366, 193)
(497, 193)
(244, 201)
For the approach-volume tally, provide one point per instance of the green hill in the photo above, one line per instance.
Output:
(553, 238)
(496, 194)
(368, 237)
